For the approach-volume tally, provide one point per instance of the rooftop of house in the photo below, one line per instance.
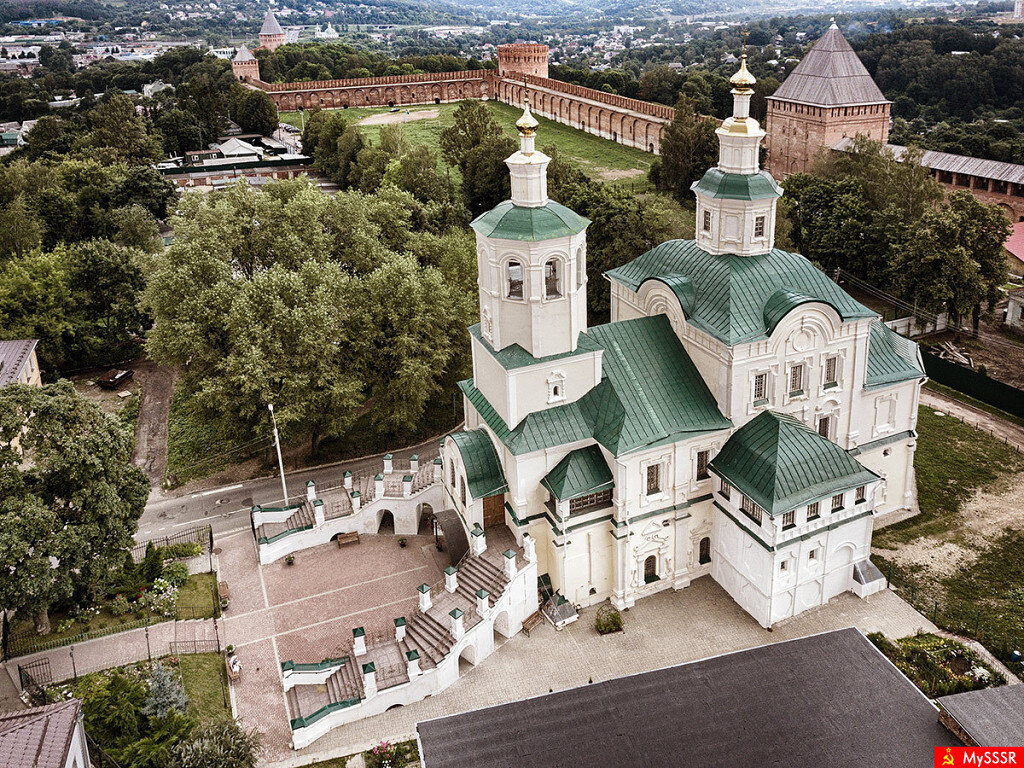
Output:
(1014, 244)
(830, 75)
(651, 393)
(990, 716)
(828, 699)
(14, 356)
(950, 163)
(39, 737)
(736, 299)
(781, 463)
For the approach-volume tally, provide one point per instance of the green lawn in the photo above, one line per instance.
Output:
(338, 762)
(981, 406)
(600, 158)
(952, 461)
(196, 597)
(202, 675)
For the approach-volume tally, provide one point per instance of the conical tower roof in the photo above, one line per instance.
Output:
(830, 75)
(270, 25)
(244, 54)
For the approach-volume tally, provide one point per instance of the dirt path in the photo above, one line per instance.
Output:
(390, 118)
(1006, 431)
(150, 453)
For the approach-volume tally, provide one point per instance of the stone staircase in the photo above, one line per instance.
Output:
(476, 573)
(427, 635)
(346, 683)
(300, 518)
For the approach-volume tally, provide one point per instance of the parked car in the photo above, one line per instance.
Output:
(115, 379)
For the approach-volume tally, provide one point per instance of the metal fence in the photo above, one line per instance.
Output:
(202, 535)
(977, 385)
(34, 678)
(181, 647)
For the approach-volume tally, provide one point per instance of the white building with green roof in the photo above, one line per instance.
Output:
(741, 416)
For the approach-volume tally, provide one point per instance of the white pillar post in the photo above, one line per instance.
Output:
(451, 579)
(389, 463)
(529, 548)
(348, 481)
(400, 629)
(406, 486)
(378, 486)
(257, 515)
(412, 661)
(369, 680)
(482, 606)
(457, 628)
(318, 513)
(356, 500)
(359, 641)
(310, 490)
(510, 564)
(424, 590)
(414, 463)
(477, 540)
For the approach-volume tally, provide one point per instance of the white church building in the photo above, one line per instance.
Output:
(741, 416)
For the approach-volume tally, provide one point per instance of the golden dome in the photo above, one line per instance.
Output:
(743, 78)
(527, 124)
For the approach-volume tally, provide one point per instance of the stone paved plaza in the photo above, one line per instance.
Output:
(309, 609)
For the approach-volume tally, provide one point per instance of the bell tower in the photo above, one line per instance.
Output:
(736, 200)
(531, 256)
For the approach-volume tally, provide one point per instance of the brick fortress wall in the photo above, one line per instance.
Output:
(522, 73)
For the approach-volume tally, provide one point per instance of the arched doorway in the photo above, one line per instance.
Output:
(650, 569)
(386, 527)
(704, 551)
(502, 628)
(426, 520)
(467, 659)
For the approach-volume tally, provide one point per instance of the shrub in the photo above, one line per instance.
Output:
(176, 574)
(181, 550)
(162, 598)
(608, 620)
(152, 565)
(119, 606)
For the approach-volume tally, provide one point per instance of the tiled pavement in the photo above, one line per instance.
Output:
(668, 628)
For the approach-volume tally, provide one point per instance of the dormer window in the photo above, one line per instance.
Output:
(556, 387)
(552, 282)
(515, 280)
(707, 221)
(759, 226)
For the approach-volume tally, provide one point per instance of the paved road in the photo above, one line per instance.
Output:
(1006, 431)
(227, 508)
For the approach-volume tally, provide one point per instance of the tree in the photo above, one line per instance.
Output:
(165, 693)
(225, 745)
(118, 130)
(146, 186)
(688, 149)
(35, 303)
(485, 177)
(474, 125)
(68, 516)
(20, 231)
(256, 112)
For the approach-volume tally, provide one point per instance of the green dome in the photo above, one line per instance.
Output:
(508, 221)
(737, 186)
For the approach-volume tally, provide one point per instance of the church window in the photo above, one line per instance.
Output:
(825, 427)
(862, 494)
(759, 226)
(831, 371)
(590, 501)
(702, 465)
(704, 551)
(760, 388)
(725, 490)
(796, 380)
(784, 565)
(515, 280)
(556, 387)
(751, 509)
(552, 288)
(814, 511)
(451, 476)
(462, 490)
(653, 479)
(837, 502)
(788, 521)
(707, 221)
(813, 554)
(651, 569)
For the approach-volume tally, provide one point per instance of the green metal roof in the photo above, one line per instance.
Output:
(736, 298)
(737, 186)
(581, 472)
(651, 393)
(781, 463)
(483, 469)
(514, 356)
(891, 358)
(508, 221)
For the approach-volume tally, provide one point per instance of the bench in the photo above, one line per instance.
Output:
(222, 590)
(347, 538)
(531, 621)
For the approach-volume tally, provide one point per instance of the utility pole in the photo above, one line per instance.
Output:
(277, 443)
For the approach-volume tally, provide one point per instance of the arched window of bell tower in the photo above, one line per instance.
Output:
(552, 279)
(515, 279)
(581, 268)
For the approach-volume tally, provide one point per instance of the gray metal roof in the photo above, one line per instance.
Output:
(944, 161)
(992, 717)
(14, 356)
(830, 75)
(39, 737)
(244, 54)
(830, 699)
(270, 25)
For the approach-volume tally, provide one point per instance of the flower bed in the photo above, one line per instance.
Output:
(937, 665)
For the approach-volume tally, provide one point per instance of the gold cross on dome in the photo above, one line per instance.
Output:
(745, 33)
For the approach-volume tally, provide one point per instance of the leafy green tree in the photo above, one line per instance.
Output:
(67, 516)
(144, 185)
(180, 131)
(134, 227)
(473, 125)
(485, 177)
(688, 149)
(165, 693)
(118, 130)
(256, 112)
(35, 303)
(226, 745)
(20, 231)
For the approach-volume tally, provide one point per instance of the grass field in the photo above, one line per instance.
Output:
(196, 597)
(600, 158)
(202, 675)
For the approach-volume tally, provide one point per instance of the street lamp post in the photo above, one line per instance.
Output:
(280, 462)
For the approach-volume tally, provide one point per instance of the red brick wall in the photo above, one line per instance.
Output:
(516, 60)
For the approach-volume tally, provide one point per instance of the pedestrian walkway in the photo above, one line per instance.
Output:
(1007, 431)
(668, 628)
